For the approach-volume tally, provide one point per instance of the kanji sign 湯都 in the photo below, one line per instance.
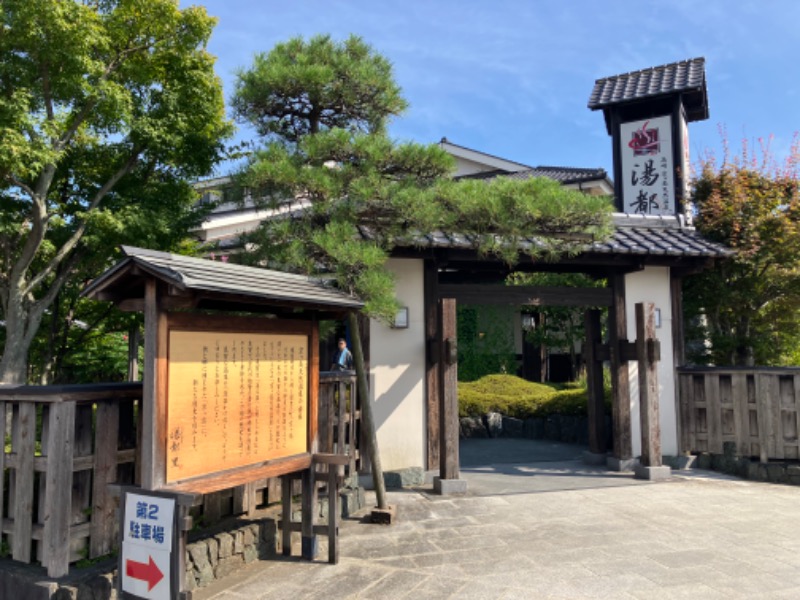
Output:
(648, 178)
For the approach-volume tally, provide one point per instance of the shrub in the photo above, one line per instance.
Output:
(506, 394)
(515, 397)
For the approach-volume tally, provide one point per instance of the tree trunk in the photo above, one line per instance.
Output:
(48, 364)
(366, 412)
(14, 363)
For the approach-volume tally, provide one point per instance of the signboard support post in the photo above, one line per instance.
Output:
(309, 538)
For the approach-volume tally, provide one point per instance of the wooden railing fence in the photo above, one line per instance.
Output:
(67, 443)
(756, 408)
(64, 445)
(340, 430)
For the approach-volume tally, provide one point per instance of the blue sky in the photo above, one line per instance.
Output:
(512, 78)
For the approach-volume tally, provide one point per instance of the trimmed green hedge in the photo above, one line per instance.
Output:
(516, 397)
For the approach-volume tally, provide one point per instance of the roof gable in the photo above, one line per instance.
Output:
(482, 159)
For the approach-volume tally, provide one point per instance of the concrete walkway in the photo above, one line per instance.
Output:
(556, 529)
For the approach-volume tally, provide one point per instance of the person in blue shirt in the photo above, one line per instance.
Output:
(343, 358)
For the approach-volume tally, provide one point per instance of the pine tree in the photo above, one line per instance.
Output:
(345, 194)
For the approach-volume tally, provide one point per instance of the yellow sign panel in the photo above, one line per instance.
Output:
(234, 399)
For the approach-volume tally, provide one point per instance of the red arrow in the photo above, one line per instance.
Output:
(144, 571)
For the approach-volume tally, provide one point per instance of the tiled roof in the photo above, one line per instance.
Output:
(686, 77)
(560, 174)
(644, 235)
(200, 274)
(634, 235)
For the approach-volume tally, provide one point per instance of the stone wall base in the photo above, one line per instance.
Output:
(558, 428)
(210, 556)
(730, 463)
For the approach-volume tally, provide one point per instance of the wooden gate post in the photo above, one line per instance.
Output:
(596, 406)
(432, 359)
(648, 353)
(621, 403)
(448, 481)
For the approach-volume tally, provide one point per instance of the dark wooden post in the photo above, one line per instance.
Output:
(648, 385)
(3, 427)
(621, 407)
(286, 515)
(648, 354)
(594, 376)
(106, 445)
(448, 481)
(23, 439)
(153, 436)
(309, 547)
(679, 360)
(333, 514)
(432, 356)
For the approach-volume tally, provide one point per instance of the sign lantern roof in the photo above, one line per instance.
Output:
(686, 79)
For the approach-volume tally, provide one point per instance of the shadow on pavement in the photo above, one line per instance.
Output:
(502, 466)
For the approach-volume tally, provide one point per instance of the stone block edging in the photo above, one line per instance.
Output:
(570, 429)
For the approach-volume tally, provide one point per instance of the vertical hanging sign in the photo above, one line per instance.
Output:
(648, 173)
(148, 533)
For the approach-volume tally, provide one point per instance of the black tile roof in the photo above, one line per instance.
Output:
(200, 274)
(634, 235)
(687, 77)
(563, 174)
(560, 174)
(652, 236)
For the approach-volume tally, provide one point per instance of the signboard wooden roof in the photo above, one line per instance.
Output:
(686, 78)
(204, 283)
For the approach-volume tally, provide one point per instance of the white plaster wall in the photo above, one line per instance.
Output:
(652, 285)
(470, 167)
(397, 366)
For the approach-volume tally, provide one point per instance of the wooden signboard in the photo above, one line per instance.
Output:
(240, 393)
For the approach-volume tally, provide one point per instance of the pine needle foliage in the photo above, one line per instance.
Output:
(344, 195)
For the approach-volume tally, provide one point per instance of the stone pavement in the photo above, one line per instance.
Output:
(560, 530)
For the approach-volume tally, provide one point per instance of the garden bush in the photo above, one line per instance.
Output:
(506, 394)
(516, 397)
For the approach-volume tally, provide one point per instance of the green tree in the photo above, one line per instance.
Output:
(107, 108)
(746, 310)
(347, 194)
(322, 108)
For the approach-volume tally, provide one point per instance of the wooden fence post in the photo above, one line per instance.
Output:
(58, 488)
(105, 472)
(3, 426)
(23, 442)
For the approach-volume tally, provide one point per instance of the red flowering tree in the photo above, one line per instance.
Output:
(746, 310)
